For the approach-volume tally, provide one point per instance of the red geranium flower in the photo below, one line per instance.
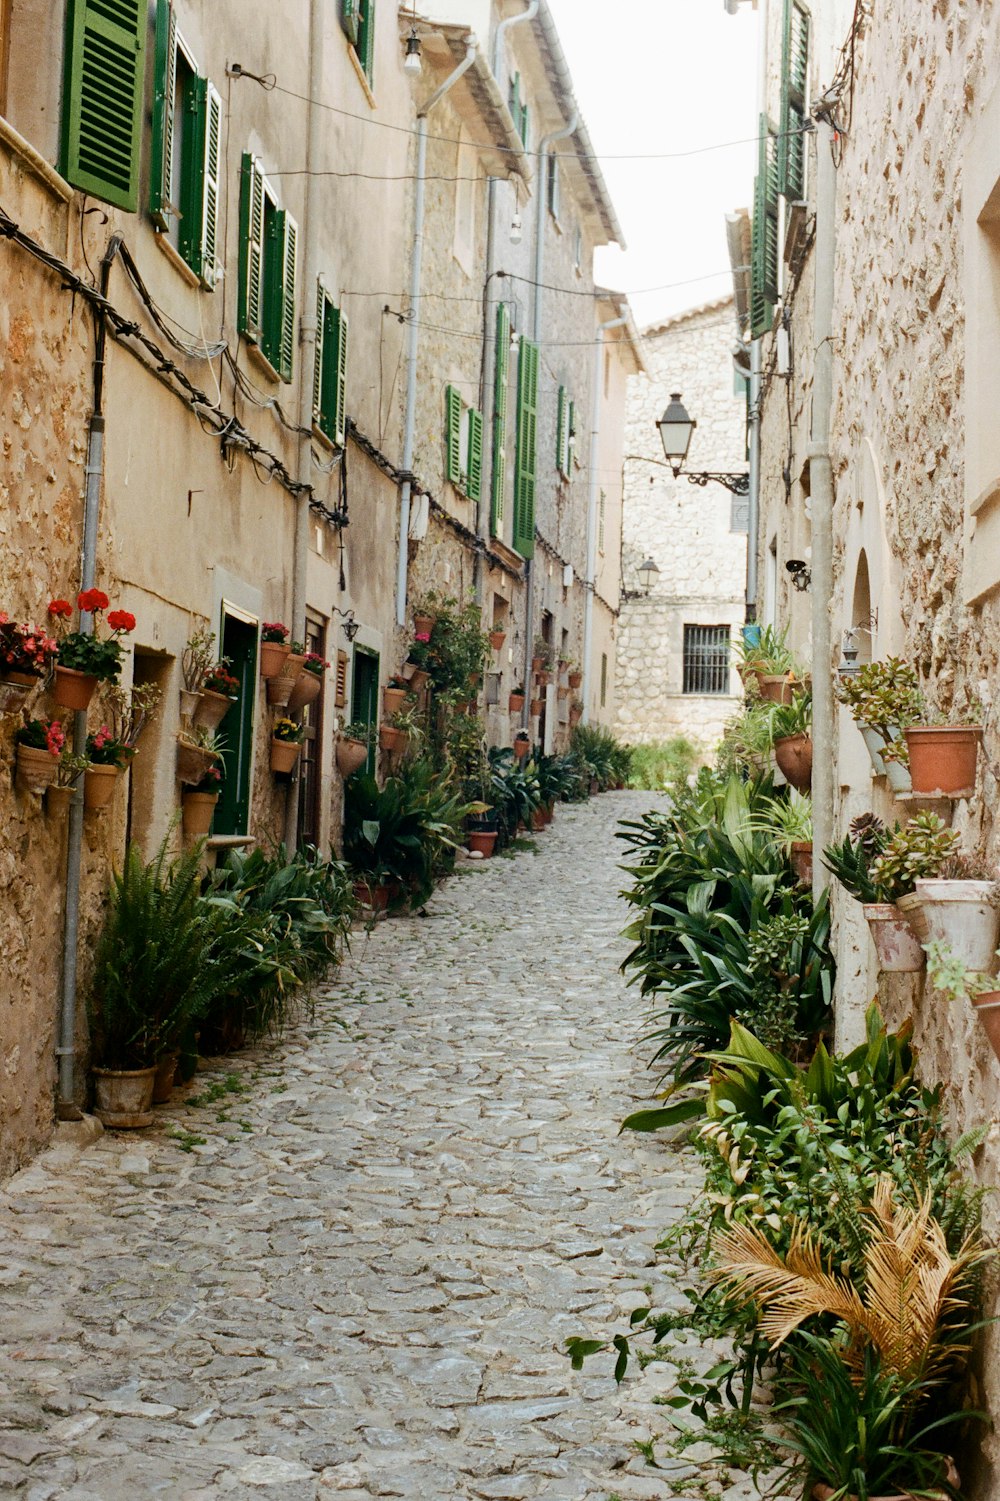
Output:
(92, 600)
(121, 620)
(60, 609)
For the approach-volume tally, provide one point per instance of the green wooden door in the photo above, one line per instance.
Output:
(364, 696)
(232, 811)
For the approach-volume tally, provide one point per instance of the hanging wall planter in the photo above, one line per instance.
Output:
(515, 703)
(943, 759)
(391, 739)
(14, 689)
(98, 787)
(351, 756)
(197, 810)
(393, 701)
(794, 755)
(284, 754)
(212, 709)
(189, 705)
(279, 690)
(537, 705)
(36, 769)
(897, 945)
(72, 689)
(962, 915)
(801, 856)
(779, 688)
(522, 746)
(57, 800)
(273, 655)
(575, 679)
(422, 626)
(193, 761)
(306, 690)
(497, 639)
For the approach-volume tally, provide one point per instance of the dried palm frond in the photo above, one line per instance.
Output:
(916, 1299)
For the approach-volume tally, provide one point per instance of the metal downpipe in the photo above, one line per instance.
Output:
(593, 490)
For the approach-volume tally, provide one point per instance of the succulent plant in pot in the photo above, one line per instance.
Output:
(884, 699)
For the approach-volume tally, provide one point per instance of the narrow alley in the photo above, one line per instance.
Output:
(356, 1277)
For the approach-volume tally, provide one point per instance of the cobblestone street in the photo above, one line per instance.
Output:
(350, 1269)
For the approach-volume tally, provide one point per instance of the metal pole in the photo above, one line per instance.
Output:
(592, 496)
(753, 497)
(821, 505)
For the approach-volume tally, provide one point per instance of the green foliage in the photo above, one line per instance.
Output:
(884, 697)
(514, 794)
(851, 861)
(767, 651)
(600, 757)
(405, 832)
(913, 853)
(458, 648)
(660, 765)
(792, 719)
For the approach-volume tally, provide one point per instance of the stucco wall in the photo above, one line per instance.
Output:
(687, 530)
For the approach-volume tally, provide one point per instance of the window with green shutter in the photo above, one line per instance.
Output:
(527, 449)
(453, 435)
(357, 18)
(330, 375)
(565, 418)
(102, 111)
(268, 254)
(794, 83)
(764, 239)
(501, 375)
(474, 461)
(463, 444)
(187, 129)
(518, 109)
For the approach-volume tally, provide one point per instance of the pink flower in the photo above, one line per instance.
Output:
(422, 636)
(55, 737)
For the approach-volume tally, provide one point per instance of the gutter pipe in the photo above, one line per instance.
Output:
(66, 1107)
(308, 335)
(592, 494)
(413, 341)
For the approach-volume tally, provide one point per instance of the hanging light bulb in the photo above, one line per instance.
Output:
(515, 230)
(411, 62)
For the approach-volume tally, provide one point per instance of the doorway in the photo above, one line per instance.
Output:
(239, 645)
(364, 696)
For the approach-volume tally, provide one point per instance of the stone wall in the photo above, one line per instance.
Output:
(686, 529)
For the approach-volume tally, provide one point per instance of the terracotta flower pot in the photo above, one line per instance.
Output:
(481, 841)
(417, 679)
(544, 677)
(422, 626)
(57, 800)
(99, 787)
(801, 856)
(538, 820)
(987, 1006)
(393, 700)
(522, 747)
(284, 754)
(163, 1078)
(537, 705)
(14, 689)
(72, 689)
(36, 769)
(189, 704)
(124, 1097)
(561, 692)
(306, 690)
(497, 639)
(537, 664)
(778, 688)
(351, 754)
(823, 1492)
(897, 945)
(515, 703)
(391, 739)
(212, 709)
(794, 755)
(197, 810)
(375, 897)
(294, 663)
(943, 759)
(273, 655)
(575, 679)
(963, 915)
(192, 761)
(279, 690)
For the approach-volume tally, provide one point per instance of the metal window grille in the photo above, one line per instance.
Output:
(706, 659)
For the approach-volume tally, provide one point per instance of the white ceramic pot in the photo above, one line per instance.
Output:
(873, 740)
(897, 945)
(963, 915)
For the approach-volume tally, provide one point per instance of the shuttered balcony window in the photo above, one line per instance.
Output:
(330, 375)
(187, 130)
(706, 659)
(463, 434)
(104, 73)
(268, 259)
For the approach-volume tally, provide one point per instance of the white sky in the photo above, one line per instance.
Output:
(680, 75)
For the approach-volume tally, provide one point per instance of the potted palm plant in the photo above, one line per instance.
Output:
(791, 726)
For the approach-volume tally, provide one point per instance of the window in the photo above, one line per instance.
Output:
(706, 659)
(794, 82)
(527, 448)
(105, 68)
(187, 128)
(501, 375)
(518, 109)
(365, 696)
(330, 372)
(268, 237)
(578, 251)
(553, 186)
(239, 643)
(357, 17)
(565, 433)
(463, 444)
(764, 241)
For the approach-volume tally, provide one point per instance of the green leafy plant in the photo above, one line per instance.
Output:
(766, 651)
(792, 719)
(406, 831)
(915, 852)
(884, 697)
(660, 765)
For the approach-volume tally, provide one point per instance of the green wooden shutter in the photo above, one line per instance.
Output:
(330, 375)
(501, 367)
(164, 84)
(527, 452)
(562, 446)
(285, 332)
(474, 485)
(366, 37)
(208, 248)
(338, 324)
(349, 14)
(103, 98)
(453, 435)
(570, 438)
(250, 318)
(764, 242)
(794, 82)
(320, 362)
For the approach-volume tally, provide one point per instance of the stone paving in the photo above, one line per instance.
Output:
(350, 1269)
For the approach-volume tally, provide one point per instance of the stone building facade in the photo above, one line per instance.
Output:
(232, 483)
(916, 463)
(675, 676)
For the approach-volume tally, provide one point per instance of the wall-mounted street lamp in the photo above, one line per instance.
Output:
(648, 574)
(676, 428)
(350, 627)
(411, 62)
(801, 574)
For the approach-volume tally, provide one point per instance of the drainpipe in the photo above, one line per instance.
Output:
(592, 494)
(753, 499)
(821, 503)
(541, 192)
(413, 341)
(308, 334)
(66, 1108)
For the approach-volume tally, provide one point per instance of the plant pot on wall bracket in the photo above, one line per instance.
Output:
(279, 690)
(801, 856)
(197, 809)
(515, 703)
(779, 688)
(963, 915)
(306, 689)
(351, 756)
(284, 754)
(943, 758)
(212, 709)
(273, 655)
(14, 689)
(896, 943)
(794, 755)
(99, 784)
(497, 639)
(393, 700)
(36, 768)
